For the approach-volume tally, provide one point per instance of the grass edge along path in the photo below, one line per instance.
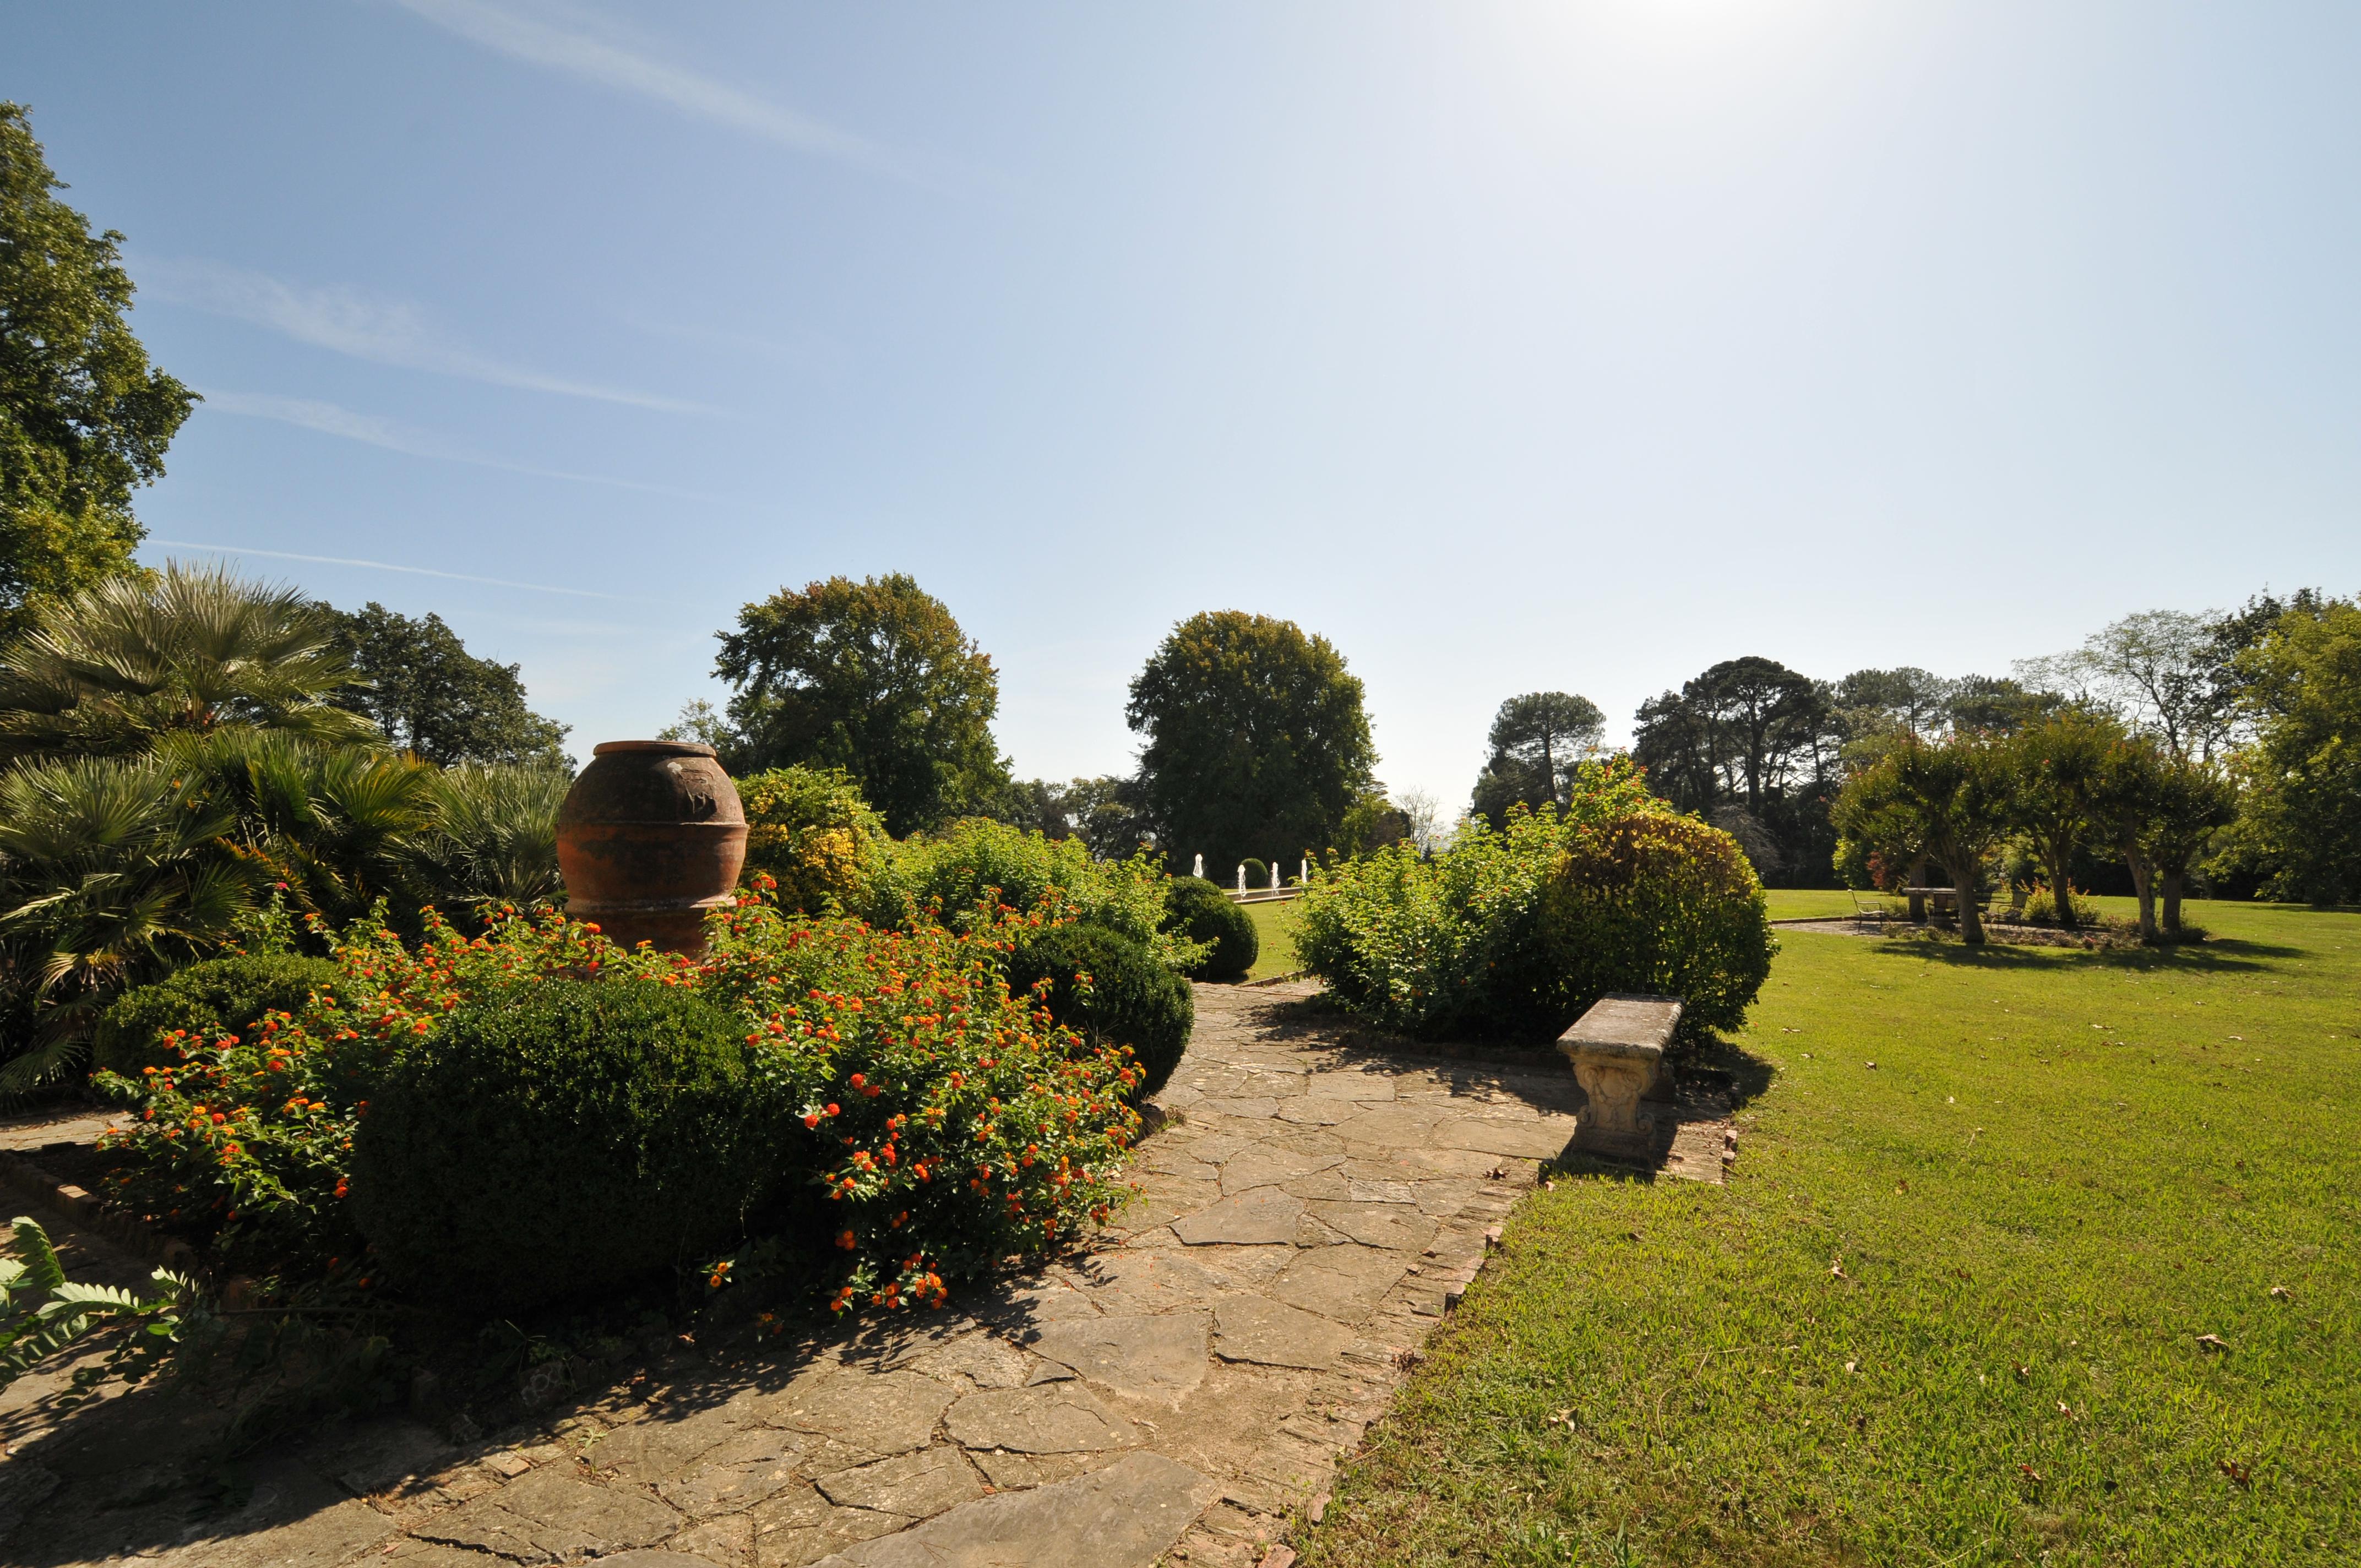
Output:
(1953, 1307)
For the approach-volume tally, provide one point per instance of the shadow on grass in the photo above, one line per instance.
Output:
(2218, 955)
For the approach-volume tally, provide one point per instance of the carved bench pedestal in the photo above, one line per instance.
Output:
(1617, 1049)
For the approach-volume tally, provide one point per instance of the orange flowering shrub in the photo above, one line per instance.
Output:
(924, 1123)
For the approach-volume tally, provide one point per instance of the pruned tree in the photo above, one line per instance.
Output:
(1951, 796)
(2061, 767)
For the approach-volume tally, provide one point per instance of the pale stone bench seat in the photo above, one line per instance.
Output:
(1617, 1050)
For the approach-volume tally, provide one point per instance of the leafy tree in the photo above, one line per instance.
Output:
(84, 419)
(1753, 746)
(2061, 767)
(874, 677)
(1996, 705)
(1906, 697)
(2301, 819)
(429, 696)
(114, 668)
(1536, 741)
(2157, 671)
(1952, 797)
(1256, 739)
(1107, 817)
(2194, 801)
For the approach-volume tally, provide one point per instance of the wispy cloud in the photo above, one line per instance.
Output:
(367, 327)
(584, 46)
(332, 419)
(385, 566)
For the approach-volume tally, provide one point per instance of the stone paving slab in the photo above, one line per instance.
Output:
(1308, 1211)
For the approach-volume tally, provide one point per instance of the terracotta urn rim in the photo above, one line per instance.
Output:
(669, 747)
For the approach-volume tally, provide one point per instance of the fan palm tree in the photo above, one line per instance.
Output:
(109, 877)
(491, 835)
(192, 650)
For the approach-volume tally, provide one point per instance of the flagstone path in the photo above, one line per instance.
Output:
(1176, 1393)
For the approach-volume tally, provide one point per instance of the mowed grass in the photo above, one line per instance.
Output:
(1951, 1308)
(1274, 928)
(1813, 904)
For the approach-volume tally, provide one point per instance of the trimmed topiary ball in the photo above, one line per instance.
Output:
(217, 997)
(1195, 908)
(557, 1137)
(1131, 999)
(1660, 904)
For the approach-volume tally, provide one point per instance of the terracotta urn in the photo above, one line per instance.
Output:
(651, 837)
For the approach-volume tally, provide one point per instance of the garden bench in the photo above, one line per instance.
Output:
(1945, 900)
(1617, 1050)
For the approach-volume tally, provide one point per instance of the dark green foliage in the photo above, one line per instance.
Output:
(209, 1000)
(1536, 741)
(1258, 875)
(1130, 1000)
(1256, 739)
(434, 699)
(1660, 904)
(1197, 910)
(557, 1137)
(874, 677)
(83, 417)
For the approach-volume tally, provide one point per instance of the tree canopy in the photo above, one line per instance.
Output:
(433, 698)
(874, 677)
(2302, 694)
(84, 419)
(1256, 741)
(1537, 740)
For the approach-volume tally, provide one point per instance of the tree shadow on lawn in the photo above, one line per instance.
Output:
(2216, 955)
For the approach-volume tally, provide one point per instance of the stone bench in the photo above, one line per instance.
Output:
(1617, 1049)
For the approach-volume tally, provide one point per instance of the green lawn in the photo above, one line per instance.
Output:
(1949, 1308)
(1274, 924)
(1809, 902)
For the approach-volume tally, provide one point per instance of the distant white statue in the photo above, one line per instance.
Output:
(1200, 867)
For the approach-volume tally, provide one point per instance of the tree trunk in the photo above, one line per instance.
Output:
(1971, 920)
(2058, 858)
(2144, 885)
(2172, 881)
(1917, 900)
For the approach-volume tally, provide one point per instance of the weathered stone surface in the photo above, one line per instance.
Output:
(547, 1516)
(797, 1546)
(918, 1485)
(984, 1359)
(659, 1447)
(653, 1557)
(1141, 1280)
(737, 1472)
(317, 1540)
(1272, 1164)
(1370, 1086)
(1401, 1226)
(1345, 1283)
(1271, 1334)
(726, 1540)
(1264, 1214)
(1542, 1139)
(883, 1414)
(1392, 1126)
(1151, 1358)
(1125, 1516)
(1053, 1418)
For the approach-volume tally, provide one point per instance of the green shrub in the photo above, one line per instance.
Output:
(959, 1129)
(815, 836)
(1111, 990)
(205, 1000)
(556, 1136)
(1258, 875)
(1661, 905)
(946, 877)
(1451, 945)
(1202, 912)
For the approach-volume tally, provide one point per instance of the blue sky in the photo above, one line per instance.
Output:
(1510, 347)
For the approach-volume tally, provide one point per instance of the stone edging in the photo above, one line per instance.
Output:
(81, 1208)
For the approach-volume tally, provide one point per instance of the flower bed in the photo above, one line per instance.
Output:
(923, 1123)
